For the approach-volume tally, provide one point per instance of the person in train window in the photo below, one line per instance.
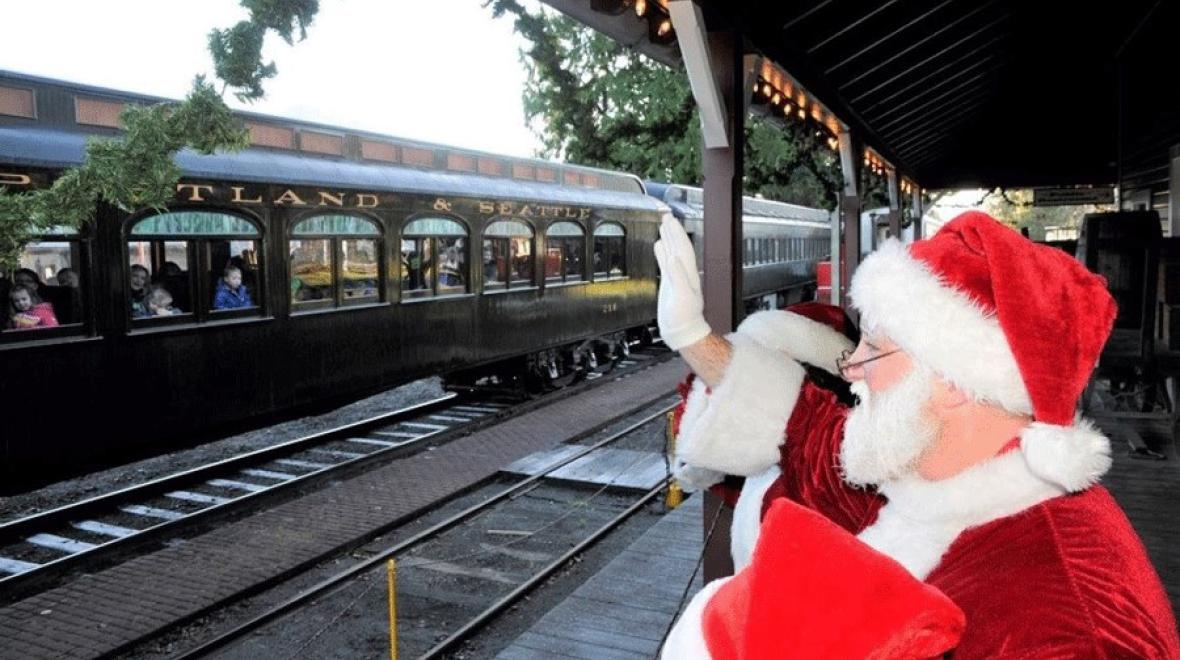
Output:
(449, 274)
(68, 277)
(231, 293)
(159, 303)
(138, 284)
(26, 311)
(66, 296)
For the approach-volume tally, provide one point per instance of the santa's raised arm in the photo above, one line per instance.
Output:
(962, 460)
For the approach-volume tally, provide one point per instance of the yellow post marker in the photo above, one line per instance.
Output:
(675, 495)
(392, 571)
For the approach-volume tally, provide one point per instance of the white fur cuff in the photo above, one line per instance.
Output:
(739, 427)
(799, 337)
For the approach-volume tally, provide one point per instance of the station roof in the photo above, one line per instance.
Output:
(964, 93)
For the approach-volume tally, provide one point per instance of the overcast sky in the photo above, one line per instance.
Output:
(435, 70)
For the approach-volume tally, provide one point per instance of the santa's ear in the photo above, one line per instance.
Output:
(945, 395)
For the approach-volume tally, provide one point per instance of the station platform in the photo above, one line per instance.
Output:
(623, 612)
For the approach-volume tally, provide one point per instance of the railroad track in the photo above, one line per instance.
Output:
(40, 548)
(444, 550)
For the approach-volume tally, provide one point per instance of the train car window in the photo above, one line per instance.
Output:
(46, 289)
(610, 250)
(434, 257)
(507, 255)
(335, 262)
(159, 268)
(199, 265)
(231, 268)
(565, 245)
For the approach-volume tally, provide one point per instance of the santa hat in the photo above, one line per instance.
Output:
(1014, 323)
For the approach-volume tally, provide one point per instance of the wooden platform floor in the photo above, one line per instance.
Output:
(1149, 491)
(623, 611)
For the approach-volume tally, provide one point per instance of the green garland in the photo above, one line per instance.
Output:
(137, 170)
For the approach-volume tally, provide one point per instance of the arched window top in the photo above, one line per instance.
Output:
(609, 229)
(509, 229)
(566, 229)
(194, 223)
(434, 227)
(336, 225)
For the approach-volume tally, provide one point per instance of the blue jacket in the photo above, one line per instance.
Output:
(227, 298)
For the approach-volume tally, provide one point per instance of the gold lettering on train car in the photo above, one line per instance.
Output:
(584, 215)
(366, 201)
(239, 199)
(487, 208)
(570, 213)
(12, 179)
(329, 197)
(525, 210)
(194, 191)
(290, 197)
(441, 204)
(505, 208)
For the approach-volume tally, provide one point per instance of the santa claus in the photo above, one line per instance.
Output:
(960, 488)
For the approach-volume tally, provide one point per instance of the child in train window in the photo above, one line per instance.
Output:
(231, 293)
(159, 303)
(26, 311)
(137, 282)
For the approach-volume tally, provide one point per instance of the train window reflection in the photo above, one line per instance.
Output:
(45, 290)
(507, 255)
(335, 261)
(610, 250)
(565, 244)
(434, 257)
(311, 273)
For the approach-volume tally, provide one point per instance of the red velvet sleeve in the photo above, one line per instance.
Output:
(811, 458)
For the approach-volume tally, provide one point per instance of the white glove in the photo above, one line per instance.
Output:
(680, 307)
(692, 478)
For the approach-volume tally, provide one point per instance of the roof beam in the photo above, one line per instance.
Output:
(926, 61)
(851, 26)
(694, 51)
(802, 17)
(917, 97)
(925, 39)
(887, 37)
(970, 82)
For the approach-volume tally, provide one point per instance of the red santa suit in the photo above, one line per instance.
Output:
(1040, 559)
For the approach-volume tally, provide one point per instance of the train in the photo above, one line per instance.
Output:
(782, 244)
(318, 266)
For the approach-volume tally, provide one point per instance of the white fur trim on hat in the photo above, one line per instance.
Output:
(801, 338)
(1074, 457)
(937, 325)
(739, 428)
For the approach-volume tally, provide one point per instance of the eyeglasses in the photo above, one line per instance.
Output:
(843, 365)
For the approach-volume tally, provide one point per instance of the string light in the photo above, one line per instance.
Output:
(640, 8)
(665, 27)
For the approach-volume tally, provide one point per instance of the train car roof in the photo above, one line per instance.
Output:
(61, 116)
(687, 202)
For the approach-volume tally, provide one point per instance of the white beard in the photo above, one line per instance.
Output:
(887, 431)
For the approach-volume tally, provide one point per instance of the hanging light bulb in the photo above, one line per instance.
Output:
(802, 113)
(767, 89)
(640, 8)
(665, 27)
(777, 98)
